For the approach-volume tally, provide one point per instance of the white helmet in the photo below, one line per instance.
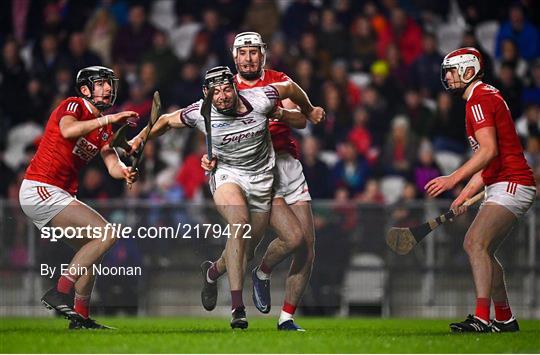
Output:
(461, 59)
(249, 39)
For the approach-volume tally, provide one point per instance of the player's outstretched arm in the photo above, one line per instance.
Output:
(291, 90)
(163, 124)
(71, 128)
(117, 169)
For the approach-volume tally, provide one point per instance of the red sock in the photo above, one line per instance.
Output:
(237, 301)
(82, 305)
(502, 310)
(289, 308)
(65, 284)
(265, 268)
(213, 272)
(482, 308)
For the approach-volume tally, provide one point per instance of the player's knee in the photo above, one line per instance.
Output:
(474, 246)
(295, 239)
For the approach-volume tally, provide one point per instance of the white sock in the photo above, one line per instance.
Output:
(284, 316)
(261, 275)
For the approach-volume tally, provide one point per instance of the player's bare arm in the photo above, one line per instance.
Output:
(116, 168)
(487, 141)
(291, 90)
(71, 128)
(298, 121)
(164, 123)
(473, 186)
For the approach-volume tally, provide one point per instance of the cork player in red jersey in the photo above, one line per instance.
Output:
(291, 216)
(75, 133)
(497, 165)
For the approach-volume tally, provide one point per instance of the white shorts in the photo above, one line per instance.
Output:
(289, 180)
(256, 187)
(41, 202)
(516, 198)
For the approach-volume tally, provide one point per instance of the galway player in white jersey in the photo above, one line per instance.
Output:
(242, 183)
(291, 217)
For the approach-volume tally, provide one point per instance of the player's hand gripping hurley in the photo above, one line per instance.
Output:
(119, 138)
(206, 112)
(403, 240)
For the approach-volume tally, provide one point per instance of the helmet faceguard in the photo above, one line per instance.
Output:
(217, 76)
(89, 76)
(462, 59)
(249, 39)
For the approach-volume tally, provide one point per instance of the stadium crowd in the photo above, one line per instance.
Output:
(373, 66)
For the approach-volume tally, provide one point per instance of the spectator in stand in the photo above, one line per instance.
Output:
(47, 59)
(317, 173)
(201, 55)
(307, 80)
(386, 87)
(133, 39)
(149, 78)
(510, 87)
(13, 81)
(351, 171)
(372, 193)
(447, 130)
(280, 60)
(187, 89)
(529, 124)
(139, 102)
(510, 55)
(191, 176)
(331, 37)
(360, 136)
(216, 35)
(420, 117)
(521, 31)
(531, 93)
(309, 49)
(338, 118)
(363, 44)
(398, 72)
(92, 185)
(379, 114)
(425, 71)
(78, 55)
(162, 57)
(300, 16)
(347, 88)
(400, 149)
(425, 169)
(150, 167)
(100, 31)
(37, 103)
(406, 33)
(262, 16)
(63, 83)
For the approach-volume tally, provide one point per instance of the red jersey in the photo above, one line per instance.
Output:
(486, 108)
(281, 133)
(58, 160)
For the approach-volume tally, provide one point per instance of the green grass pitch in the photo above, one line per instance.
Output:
(213, 335)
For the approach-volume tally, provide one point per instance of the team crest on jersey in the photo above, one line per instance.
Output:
(105, 136)
(474, 144)
(223, 177)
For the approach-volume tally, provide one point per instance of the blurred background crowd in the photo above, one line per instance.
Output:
(373, 66)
